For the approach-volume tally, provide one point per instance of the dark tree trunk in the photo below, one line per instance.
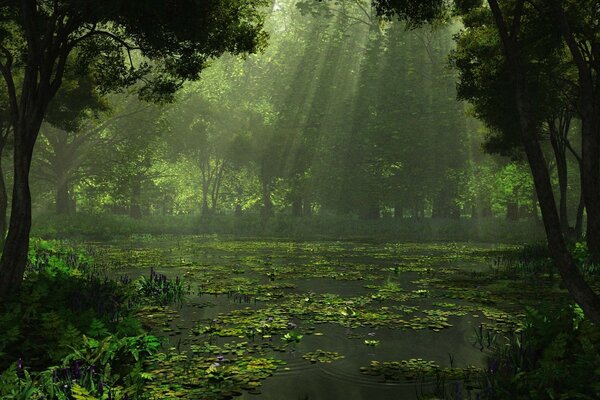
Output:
(16, 245)
(267, 209)
(3, 194)
(3, 189)
(557, 138)
(297, 207)
(370, 212)
(534, 207)
(579, 289)
(306, 208)
(398, 211)
(63, 199)
(3, 204)
(135, 209)
(205, 211)
(591, 186)
(512, 211)
(589, 111)
(440, 208)
(579, 220)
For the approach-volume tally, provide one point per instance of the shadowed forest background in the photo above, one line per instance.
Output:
(340, 118)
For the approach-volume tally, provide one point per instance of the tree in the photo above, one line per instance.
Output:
(120, 43)
(65, 134)
(509, 20)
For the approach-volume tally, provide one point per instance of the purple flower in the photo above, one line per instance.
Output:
(216, 365)
(20, 364)
(270, 319)
(220, 358)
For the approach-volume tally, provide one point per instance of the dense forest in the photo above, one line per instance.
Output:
(347, 116)
(300, 199)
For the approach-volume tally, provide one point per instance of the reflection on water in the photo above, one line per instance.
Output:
(300, 379)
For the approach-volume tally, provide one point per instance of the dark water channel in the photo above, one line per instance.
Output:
(379, 264)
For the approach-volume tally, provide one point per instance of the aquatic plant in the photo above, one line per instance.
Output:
(322, 356)
(555, 356)
(158, 289)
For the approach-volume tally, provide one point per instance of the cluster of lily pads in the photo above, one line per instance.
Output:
(402, 287)
(417, 368)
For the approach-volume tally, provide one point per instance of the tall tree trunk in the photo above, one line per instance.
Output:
(590, 126)
(591, 187)
(3, 189)
(16, 245)
(398, 211)
(512, 210)
(580, 291)
(370, 212)
(297, 206)
(135, 208)
(63, 200)
(3, 203)
(560, 156)
(267, 210)
(534, 207)
(306, 208)
(579, 219)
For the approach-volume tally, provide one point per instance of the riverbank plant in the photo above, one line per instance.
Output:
(71, 332)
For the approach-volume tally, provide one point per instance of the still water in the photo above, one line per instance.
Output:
(376, 280)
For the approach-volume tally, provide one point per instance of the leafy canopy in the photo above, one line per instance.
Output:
(161, 43)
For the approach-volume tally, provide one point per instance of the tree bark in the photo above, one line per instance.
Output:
(560, 155)
(306, 208)
(267, 210)
(398, 211)
(512, 210)
(589, 111)
(296, 206)
(579, 289)
(534, 207)
(63, 200)
(579, 220)
(3, 203)
(135, 209)
(14, 255)
(3, 190)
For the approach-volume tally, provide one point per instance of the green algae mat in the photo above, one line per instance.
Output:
(322, 320)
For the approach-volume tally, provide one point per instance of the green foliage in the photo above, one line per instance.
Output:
(158, 289)
(17, 385)
(106, 226)
(62, 297)
(555, 357)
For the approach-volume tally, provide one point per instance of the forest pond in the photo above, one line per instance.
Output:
(317, 320)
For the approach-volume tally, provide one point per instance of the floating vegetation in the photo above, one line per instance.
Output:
(322, 356)
(206, 377)
(416, 368)
(282, 296)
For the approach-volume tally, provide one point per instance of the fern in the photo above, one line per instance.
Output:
(97, 329)
(80, 393)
